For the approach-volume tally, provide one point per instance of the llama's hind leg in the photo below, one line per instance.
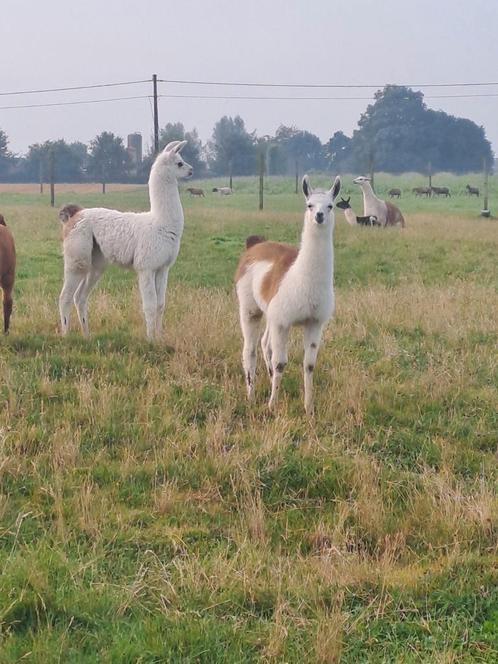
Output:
(161, 286)
(72, 279)
(147, 286)
(312, 336)
(85, 288)
(249, 323)
(7, 308)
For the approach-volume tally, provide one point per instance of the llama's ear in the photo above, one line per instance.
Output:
(348, 200)
(181, 144)
(171, 146)
(336, 188)
(307, 190)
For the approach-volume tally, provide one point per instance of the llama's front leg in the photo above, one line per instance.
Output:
(266, 348)
(278, 341)
(161, 286)
(147, 286)
(71, 282)
(249, 322)
(312, 336)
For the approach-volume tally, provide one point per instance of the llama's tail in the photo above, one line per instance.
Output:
(2, 221)
(68, 211)
(254, 239)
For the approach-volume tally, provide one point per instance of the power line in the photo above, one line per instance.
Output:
(226, 98)
(74, 103)
(75, 87)
(323, 85)
(268, 98)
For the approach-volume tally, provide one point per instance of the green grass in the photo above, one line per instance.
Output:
(148, 514)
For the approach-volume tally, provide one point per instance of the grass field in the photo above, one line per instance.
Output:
(147, 514)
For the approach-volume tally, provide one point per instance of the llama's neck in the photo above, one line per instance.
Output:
(315, 260)
(165, 203)
(350, 216)
(368, 194)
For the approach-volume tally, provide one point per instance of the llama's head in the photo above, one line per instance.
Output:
(343, 204)
(361, 180)
(170, 164)
(320, 203)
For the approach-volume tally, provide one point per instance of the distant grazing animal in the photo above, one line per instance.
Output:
(394, 193)
(352, 218)
(223, 191)
(440, 191)
(289, 287)
(422, 191)
(472, 191)
(7, 271)
(147, 242)
(387, 214)
(195, 192)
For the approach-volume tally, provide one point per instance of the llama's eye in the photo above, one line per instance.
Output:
(310, 207)
(329, 207)
(180, 164)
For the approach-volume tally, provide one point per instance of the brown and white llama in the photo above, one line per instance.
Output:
(7, 271)
(288, 286)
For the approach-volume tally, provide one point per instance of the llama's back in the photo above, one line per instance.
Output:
(116, 233)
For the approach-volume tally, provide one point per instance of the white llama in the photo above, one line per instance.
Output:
(387, 214)
(290, 287)
(147, 242)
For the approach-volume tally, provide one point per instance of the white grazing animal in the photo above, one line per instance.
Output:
(387, 214)
(147, 242)
(289, 287)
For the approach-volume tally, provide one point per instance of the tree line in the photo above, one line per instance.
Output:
(396, 133)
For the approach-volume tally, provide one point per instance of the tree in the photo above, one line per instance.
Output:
(6, 158)
(402, 134)
(70, 161)
(108, 161)
(300, 146)
(337, 151)
(231, 148)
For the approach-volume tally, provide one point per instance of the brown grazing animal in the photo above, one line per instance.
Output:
(394, 193)
(7, 271)
(195, 192)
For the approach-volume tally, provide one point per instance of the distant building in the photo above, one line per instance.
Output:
(134, 149)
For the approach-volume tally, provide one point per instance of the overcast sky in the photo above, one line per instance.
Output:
(58, 44)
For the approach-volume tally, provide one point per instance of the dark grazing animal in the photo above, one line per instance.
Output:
(7, 271)
(422, 191)
(472, 191)
(394, 193)
(351, 218)
(440, 191)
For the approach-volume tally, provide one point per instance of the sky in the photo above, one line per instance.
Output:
(54, 44)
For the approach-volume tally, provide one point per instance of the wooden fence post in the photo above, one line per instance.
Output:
(52, 176)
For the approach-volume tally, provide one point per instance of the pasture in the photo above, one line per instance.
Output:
(147, 514)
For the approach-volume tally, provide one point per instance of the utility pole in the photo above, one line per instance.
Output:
(429, 171)
(261, 175)
(230, 171)
(156, 115)
(297, 176)
(485, 211)
(41, 174)
(52, 176)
